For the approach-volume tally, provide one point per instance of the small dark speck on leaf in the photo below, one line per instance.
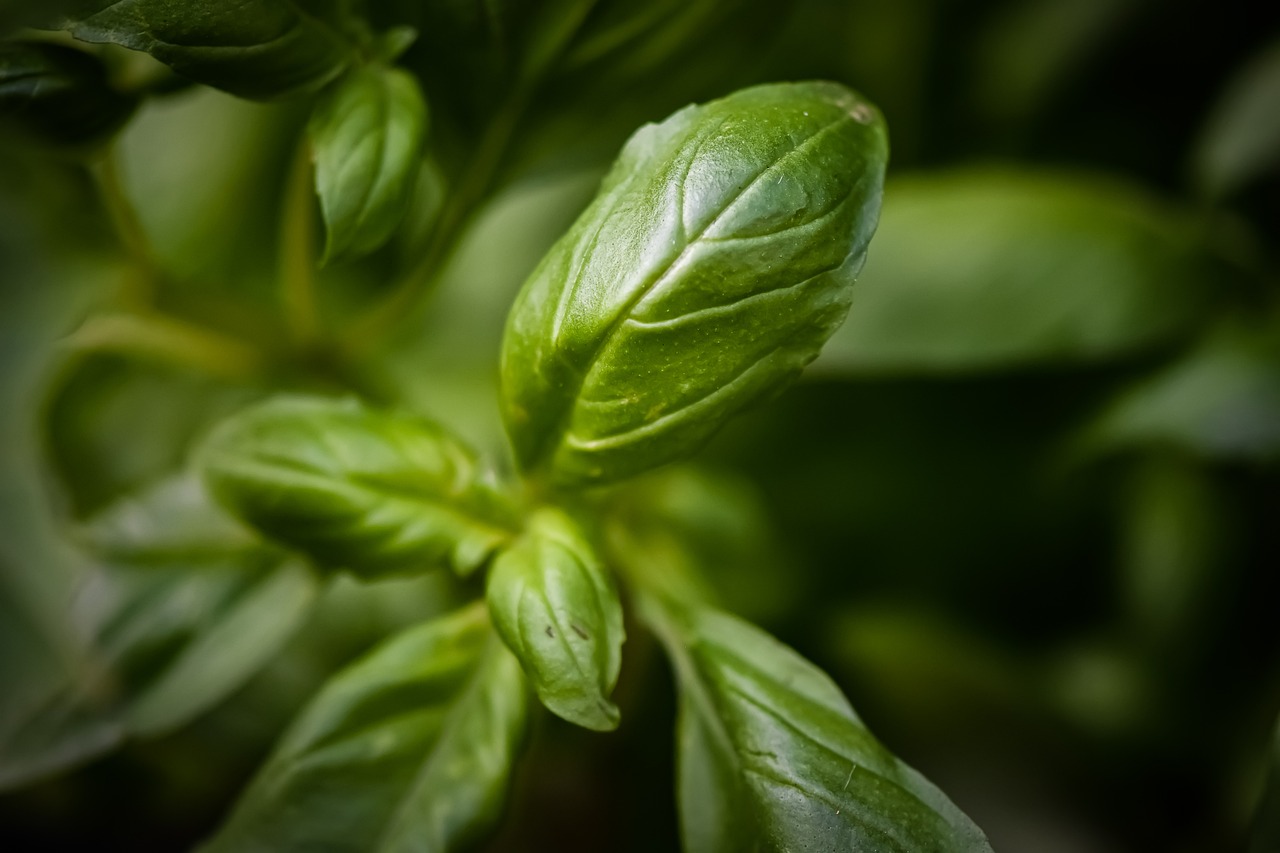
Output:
(550, 633)
(581, 633)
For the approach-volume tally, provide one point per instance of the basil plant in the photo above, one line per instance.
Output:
(716, 258)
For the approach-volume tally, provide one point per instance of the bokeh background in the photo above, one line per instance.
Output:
(1025, 508)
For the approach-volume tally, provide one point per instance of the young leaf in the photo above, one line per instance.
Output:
(984, 269)
(372, 492)
(367, 133)
(408, 749)
(771, 756)
(59, 94)
(717, 258)
(555, 607)
(265, 49)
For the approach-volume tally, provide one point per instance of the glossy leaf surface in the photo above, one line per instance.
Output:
(716, 259)
(556, 608)
(983, 269)
(409, 748)
(57, 93)
(367, 133)
(372, 492)
(265, 49)
(771, 757)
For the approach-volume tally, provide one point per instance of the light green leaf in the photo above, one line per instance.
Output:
(373, 492)
(556, 608)
(57, 93)
(367, 133)
(1241, 140)
(264, 49)
(717, 258)
(984, 269)
(771, 757)
(1222, 400)
(409, 748)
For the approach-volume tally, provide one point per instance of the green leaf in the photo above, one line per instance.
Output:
(59, 94)
(717, 258)
(168, 629)
(167, 523)
(264, 49)
(1221, 400)
(1241, 140)
(771, 756)
(410, 748)
(556, 608)
(367, 133)
(373, 492)
(987, 268)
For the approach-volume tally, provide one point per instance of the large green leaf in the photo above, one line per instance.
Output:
(556, 608)
(410, 748)
(172, 620)
(57, 93)
(771, 757)
(367, 134)
(264, 49)
(713, 264)
(989, 268)
(372, 492)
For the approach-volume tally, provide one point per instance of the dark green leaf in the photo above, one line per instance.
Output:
(556, 608)
(264, 49)
(1241, 140)
(372, 492)
(717, 258)
(772, 758)
(982, 269)
(1222, 399)
(367, 133)
(58, 94)
(408, 749)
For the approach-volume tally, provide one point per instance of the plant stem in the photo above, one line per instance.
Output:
(169, 340)
(298, 253)
(140, 288)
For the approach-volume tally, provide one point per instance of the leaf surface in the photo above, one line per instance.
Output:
(985, 269)
(167, 628)
(59, 94)
(717, 258)
(556, 608)
(367, 133)
(264, 49)
(373, 492)
(409, 748)
(771, 757)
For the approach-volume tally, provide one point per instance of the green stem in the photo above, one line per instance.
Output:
(163, 338)
(298, 254)
(140, 288)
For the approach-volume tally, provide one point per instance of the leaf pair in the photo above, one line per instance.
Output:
(378, 494)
